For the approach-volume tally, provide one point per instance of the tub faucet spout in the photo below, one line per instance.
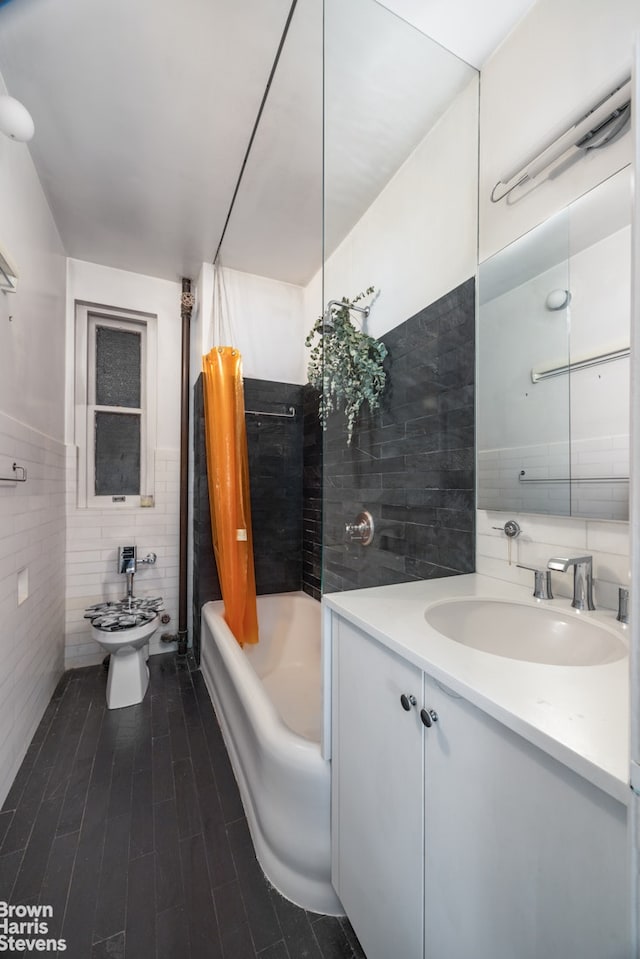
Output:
(582, 578)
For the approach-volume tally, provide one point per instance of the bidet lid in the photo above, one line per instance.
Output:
(125, 614)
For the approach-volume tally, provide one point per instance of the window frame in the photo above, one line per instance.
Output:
(89, 317)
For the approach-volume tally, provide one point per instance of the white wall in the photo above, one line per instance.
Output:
(93, 535)
(32, 344)
(31, 433)
(418, 240)
(548, 72)
(263, 318)
(415, 243)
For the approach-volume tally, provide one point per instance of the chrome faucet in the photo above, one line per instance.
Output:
(623, 604)
(541, 582)
(582, 578)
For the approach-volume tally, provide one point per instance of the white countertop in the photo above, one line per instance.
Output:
(577, 714)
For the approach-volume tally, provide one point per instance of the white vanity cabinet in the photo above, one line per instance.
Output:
(462, 839)
(377, 819)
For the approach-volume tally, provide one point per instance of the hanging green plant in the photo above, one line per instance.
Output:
(345, 364)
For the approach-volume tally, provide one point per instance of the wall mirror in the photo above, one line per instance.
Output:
(553, 363)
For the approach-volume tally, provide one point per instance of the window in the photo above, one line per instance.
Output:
(114, 375)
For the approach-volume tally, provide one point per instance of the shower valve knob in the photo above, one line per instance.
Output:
(362, 530)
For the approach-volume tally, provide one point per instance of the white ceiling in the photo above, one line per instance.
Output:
(472, 29)
(143, 113)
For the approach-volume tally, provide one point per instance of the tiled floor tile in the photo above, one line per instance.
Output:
(331, 937)
(129, 824)
(166, 841)
(112, 890)
(112, 948)
(277, 951)
(204, 936)
(140, 932)
(257, 892)
(163, 786)
(173, 934)
(18, 833)
(5, 821)
(57, 879)
(9, 866)
(141, 842)
(298, 933)
(75, 796)
(186, 799)
(235, 932)
(29, 878)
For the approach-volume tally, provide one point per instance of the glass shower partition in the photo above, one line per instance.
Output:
(400, 216)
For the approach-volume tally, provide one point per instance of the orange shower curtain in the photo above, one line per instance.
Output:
(228, 474)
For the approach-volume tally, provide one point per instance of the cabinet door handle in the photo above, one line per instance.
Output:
(428, 716)
(407, 701)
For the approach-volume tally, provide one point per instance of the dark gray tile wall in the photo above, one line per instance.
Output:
(411, 464)
(275, 448)
(312, 496)
(275, 470)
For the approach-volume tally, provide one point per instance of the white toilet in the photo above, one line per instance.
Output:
(123, 629)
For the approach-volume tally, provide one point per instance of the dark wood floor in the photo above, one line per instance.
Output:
(128, 823)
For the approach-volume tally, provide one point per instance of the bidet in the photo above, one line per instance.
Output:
(123, 630)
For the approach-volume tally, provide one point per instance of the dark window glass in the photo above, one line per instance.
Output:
(117, 454)
(118, 379)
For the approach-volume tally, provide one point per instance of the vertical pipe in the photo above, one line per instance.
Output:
(186, 306)
(634, 528)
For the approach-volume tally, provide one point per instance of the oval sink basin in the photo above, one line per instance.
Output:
(535, 634)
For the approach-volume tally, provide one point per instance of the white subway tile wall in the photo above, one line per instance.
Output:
(93, 537)
(545, 536)
(500, 484)
(32, 538)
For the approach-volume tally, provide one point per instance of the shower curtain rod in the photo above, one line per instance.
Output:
(612, 113)
(256, 124)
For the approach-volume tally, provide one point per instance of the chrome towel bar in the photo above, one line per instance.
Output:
(621, 354)
(288, 415)
(20, 475)
(522, 478)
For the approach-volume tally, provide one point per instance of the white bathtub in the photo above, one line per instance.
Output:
(268, 702)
